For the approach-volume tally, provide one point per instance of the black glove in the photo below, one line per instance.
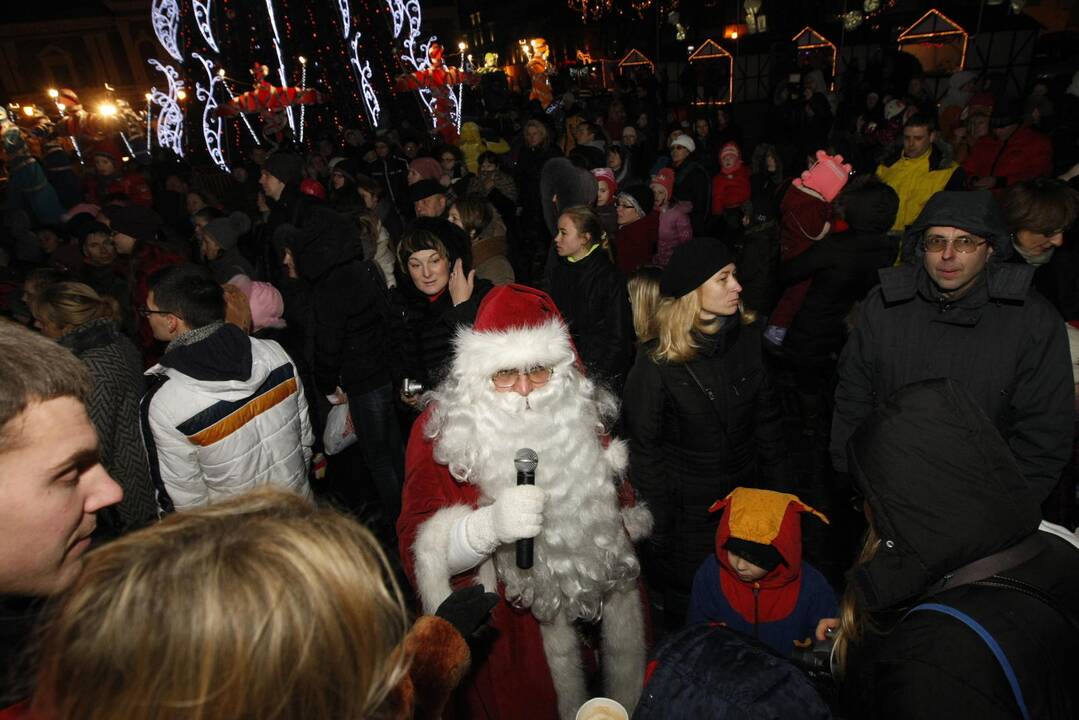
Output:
(468, 610)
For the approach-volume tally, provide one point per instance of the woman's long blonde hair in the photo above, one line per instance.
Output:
(66, 305)
(643, 289)
(676, 319)
(263, 606)
(853, 620)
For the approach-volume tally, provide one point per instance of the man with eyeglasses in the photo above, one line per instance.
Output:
(955, 310)
(516, 382)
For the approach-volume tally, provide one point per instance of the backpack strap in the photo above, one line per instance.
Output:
(994, 647)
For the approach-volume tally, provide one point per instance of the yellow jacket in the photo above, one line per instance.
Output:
(915, 181)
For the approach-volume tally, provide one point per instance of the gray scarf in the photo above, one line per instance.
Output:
(193, 336)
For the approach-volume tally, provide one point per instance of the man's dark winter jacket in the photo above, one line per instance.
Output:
(945, 492)
(352, 324)
(1001, 340)
(843, 268)
(692, 183)
(592, 297)
(684, 457)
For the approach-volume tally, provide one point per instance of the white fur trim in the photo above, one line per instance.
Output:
(617, 455)
(563, 651)
(430, 559)
(638, 521)
(488, 576)
(485, 353)
(623, 646)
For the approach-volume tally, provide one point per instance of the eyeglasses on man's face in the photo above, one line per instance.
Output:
(961, 244)
(147, 312)
(505, 379)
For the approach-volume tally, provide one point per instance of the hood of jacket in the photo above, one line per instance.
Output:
(870, 208)
(770, 518)
(942, 487)
(975, 211)
(324, 240)
(224, 356)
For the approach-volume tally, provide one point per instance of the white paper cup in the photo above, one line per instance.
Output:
(602, 708)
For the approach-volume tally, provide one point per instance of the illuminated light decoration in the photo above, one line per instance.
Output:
(711, 50)
(635, 58)
(409, 12)
(809, 39)
(439, 81)
(303, 84)
(127, 144)
(149, 123)
(280, 58)
(232, 97)
(202, 19)
(590, 9)
(165, 18)
(170, 121)
(346, 17)
(211, 121)
(397, 13)
(935, 25)
(363, 77)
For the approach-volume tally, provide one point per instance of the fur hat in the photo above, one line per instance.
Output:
(826, 177)
(427, 167)
(571, 184)
(424, 189)
(640, 196)
(665, 179)
(730, 149)
(135, 221)
(893, 108)
(684, 141)
(516, 327)
(606, 176)
(266, 303)
(226, 231)
(691, 264)
(286, 167)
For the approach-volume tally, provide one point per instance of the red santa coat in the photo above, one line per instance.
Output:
(513, 679)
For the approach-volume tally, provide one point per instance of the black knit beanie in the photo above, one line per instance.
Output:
(641, 196)
(286, 167)
(692, 263)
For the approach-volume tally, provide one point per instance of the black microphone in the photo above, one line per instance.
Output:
(525, 460)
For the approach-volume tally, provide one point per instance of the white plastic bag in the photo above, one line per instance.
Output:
(339, 432)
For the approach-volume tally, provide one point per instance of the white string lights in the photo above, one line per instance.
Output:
(409, 11)
(281, 72)
(211, 124)
(170, 121)
(346, 17)
(303, 86)
(202, 19)
(165, 18)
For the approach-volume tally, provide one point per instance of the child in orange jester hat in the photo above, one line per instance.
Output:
(757, 582)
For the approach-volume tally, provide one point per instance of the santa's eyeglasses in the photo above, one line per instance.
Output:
(538, 375)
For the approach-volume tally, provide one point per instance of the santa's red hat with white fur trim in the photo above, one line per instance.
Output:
(516, 327)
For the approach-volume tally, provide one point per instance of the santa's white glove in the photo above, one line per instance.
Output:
(516, 515)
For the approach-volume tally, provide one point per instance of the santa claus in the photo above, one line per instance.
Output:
(516, 382)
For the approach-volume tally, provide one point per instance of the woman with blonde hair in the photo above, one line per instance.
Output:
(643, 288)
(591, 294)
(262, 606)
(78, 318)
(701, 415)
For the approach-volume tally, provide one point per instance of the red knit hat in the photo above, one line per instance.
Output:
(312, 187)
(516, 327)
(606, 176)
(665, 179)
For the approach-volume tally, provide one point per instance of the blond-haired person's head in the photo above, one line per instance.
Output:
(263, 606)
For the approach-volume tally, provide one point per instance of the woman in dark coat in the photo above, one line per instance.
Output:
(441, 292)
(592, 296)
(82, 321)
(954, 524)
(701, 415)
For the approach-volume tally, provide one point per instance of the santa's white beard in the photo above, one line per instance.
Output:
(582, 553)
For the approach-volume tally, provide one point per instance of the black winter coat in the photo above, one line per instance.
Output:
(843, 268)
(940, 501)
(684, 456)
(591, 295)
(354, 330)
(692, 183)
(1058, 279)
(115, 367)
(1004, 342)
(430, 329)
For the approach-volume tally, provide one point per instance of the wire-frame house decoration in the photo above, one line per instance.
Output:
(710, 62)
(808, 42)
(635, 58)
(935, 39)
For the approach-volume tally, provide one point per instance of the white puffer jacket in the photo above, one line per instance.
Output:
(219, 420)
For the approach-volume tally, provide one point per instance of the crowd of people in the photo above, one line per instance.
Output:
(620, 399)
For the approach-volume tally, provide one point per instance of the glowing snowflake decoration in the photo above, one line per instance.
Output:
(416, 55)
(165, 18)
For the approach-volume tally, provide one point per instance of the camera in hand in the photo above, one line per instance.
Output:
(410, 387)
(816, 659)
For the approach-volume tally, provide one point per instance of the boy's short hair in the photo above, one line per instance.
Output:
(189, 293)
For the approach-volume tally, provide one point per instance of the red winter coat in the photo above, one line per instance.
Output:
(730, 190)
(133, 185)
(635, 244)
(1026, 155)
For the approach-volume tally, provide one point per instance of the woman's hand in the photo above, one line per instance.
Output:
(824, 626)
(461, 285)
